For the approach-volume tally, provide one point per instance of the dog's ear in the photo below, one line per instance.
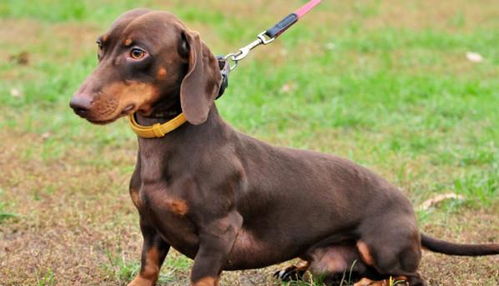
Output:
(200, 85)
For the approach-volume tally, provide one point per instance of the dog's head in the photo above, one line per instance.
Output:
(148, 57)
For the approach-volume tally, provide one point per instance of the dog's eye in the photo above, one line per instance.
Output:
(137, 53)
(99, 44)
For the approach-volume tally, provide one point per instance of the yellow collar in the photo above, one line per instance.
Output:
(156, 130)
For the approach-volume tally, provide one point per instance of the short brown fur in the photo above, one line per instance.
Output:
(207, 281)
(240, 203)
(178, 206)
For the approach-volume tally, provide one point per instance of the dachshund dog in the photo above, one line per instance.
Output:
(230, 201)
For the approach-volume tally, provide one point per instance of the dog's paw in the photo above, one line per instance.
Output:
(291, 273)
(139, 281)
(401, 281)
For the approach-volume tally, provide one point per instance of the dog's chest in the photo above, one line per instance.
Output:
(168, 212)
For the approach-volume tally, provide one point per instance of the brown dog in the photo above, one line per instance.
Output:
(227, 200)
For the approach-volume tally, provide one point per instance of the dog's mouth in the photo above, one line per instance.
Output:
(103, 120)
(129, 109)
(115, 101)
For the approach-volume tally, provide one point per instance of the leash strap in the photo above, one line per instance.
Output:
(307, 7)
(224, 67)
(291, 19)
(264, 38)
(268, 36)
(230, 62)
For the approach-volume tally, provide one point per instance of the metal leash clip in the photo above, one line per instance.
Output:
(224, 67)
(244, 51)
(230, 62)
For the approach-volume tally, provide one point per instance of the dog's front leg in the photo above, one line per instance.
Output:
(154, 251)
(216, 239)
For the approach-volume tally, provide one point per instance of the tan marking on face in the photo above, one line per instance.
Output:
(178, 206)
(118, 96)
(206, 281)
(364, 253)
(127, 42)
(161, 74)
(105, 38)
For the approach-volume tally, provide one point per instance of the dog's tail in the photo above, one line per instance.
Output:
(441, 246)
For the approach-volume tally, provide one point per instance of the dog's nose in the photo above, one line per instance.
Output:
(80, 104)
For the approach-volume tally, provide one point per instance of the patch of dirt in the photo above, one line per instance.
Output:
(66, 222)
(435, 15)
(466, 226)
(34, 38)
(75, 218)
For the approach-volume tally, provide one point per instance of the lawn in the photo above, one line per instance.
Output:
(387, 84)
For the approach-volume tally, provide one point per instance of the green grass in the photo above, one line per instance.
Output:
(46, 279)
(385, 84)
(120, 269)
(4, 213)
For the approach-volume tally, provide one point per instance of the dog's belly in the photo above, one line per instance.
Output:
(250, 252)
(247, 253)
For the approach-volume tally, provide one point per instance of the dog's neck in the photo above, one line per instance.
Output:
(162, 112)
(186, 143)
(187, 133)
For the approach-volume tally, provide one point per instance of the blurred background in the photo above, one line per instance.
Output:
(409, 89)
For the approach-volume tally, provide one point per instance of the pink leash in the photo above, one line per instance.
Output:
(291, 19)
(306, 8)
(229, 62)
(268, 36)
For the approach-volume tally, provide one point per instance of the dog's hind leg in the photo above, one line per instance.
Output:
(350, 263)
(340, 264)
(337, 264)
(392, 248)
